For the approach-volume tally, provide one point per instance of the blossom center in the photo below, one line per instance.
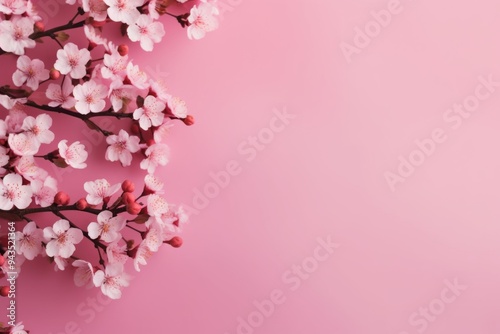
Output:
(105, 228)
(72, 61)
(89, 99)
(18, 34)
(62, 238)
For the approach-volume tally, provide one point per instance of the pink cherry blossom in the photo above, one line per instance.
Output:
(72, 61)
(16, 7)
(15, 119)
(142, 255)
(18, 329)
(94, 36)
(4, 159)
(152, 11)
(14, 35)
(61, 239)
(11, 104)
(27, 167)
(121, 95)
(163, 131)
(23, 144)
(153, 184)
(74, 155)
(14, 193)
(60, 263)
(98, 190)
(156, 205)
(112, 280)
(137, 77)
(177, 106)
(146, 31)
(44, 191)
(6, 268)
(124, 11)
(61, 96)
(107, 227)
(151, 113)
(153, 238)
(121, 147)
(84, 273)
(38, 128)
(156, 155)
(160, 89)
(90, 97)
(97, 9)
(114, 66)
(30, 72)
(171, 220)
(29, 241)
(116, 252)
(31, 12)
(202, 19)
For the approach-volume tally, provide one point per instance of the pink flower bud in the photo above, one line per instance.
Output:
(4, 291)
(128, 198)
(123, 50)
(39, 26)
(81, 204)
(189, 120)
(128, 186)
(61, 198)
(175, 242)
(134, 208)
(54, 74)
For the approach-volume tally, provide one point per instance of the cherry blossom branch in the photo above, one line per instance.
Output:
(87, 117)
(84, 117)
(51, 32)
(68, 26)
(22, 212)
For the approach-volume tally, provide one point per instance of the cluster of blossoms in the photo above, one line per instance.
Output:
(98, 80)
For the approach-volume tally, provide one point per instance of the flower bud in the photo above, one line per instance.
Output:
(39, 26)
(189, 120)
(123, 50)
(128, 186)
(82, 204)
(134, 208)
(54, 74)
(4, 291)
(175, 242)
(128, 198)
(61, 198)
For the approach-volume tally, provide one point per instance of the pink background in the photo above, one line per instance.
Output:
(323, 175)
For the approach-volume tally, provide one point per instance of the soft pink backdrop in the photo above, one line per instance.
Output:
(323, 175)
